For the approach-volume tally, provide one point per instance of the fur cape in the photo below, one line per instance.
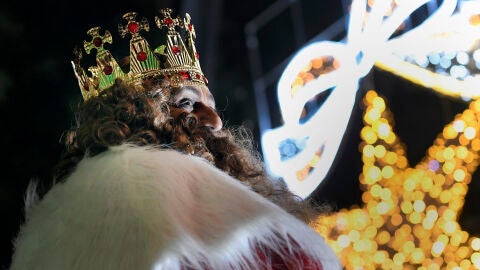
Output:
(143, 208)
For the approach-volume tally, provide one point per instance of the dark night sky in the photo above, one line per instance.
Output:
(38, 92)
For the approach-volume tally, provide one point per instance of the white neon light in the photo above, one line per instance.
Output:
(419, 40)
(370, 40)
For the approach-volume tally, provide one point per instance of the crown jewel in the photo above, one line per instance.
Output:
(176, 59)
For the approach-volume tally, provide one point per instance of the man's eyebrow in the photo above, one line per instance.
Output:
(199, 93)
(182, 91)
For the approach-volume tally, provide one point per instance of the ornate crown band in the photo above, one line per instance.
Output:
(175, 60)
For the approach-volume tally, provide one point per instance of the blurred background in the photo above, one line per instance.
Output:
(243, 48)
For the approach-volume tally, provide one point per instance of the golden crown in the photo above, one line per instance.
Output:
(175, 60)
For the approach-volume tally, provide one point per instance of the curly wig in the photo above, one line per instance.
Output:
(123, 114)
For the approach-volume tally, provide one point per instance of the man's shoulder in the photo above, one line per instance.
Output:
(167, 205)
(131, 163)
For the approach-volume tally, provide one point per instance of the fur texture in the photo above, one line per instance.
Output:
(144, 208)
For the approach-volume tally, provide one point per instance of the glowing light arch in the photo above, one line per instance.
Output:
(409, 219)
(303, 151)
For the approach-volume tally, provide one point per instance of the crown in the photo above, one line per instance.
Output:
(175, 60)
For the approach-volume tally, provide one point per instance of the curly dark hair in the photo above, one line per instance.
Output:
(123, 114)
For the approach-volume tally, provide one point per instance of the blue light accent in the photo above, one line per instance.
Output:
(359, 57)
(291, 147)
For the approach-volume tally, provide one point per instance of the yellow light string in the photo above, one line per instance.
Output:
(409, 219)
(466, 88)
(443, 84)
(317, 67)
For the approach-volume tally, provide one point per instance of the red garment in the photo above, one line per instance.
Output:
(272, 260)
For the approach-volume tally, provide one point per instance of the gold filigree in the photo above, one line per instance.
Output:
(172, 59)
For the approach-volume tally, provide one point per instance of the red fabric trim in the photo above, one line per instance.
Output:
(293, 260)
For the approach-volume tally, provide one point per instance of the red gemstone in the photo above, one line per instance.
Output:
(184, 74)
(196, 55)
(142, 56)
(205, 79)
(190, 27)
(168, 21)
(85, 86)
(198, 76)
(107, 70)
(97, 42)
(133, 27)
(175, 49)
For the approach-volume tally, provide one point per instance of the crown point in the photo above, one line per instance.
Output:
(142, 56)
(107, 70)
(97, 42)
(176, 50)
(129, 15)
(168, 21)
(133, 27)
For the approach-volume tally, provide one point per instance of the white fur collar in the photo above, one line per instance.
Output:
(143, 208)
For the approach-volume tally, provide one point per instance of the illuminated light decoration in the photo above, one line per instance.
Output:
(476, 55)
(304, 79)
(450, 42)
(301, 89)
(409, 219)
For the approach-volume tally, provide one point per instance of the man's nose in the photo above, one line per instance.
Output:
(207, 116)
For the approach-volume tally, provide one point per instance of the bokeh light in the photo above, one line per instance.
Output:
(409, 217)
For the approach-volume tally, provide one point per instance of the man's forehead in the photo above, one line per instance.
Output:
(200, 90)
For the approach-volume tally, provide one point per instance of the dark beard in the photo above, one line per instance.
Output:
(230, 150)
(137, 119)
